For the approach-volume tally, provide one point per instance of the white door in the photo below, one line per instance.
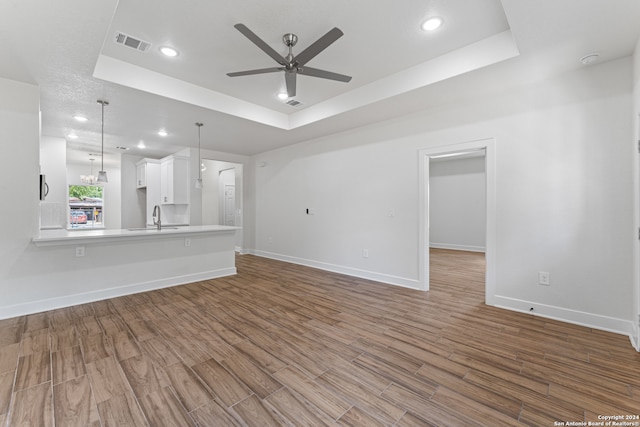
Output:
(229, 204)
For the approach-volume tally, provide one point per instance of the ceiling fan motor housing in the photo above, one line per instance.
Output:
(290, 40)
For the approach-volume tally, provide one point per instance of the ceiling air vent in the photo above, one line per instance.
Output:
(294, 103)
(132, 42)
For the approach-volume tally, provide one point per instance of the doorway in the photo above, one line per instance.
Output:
(222, 195)
(227, 197)
(425, 157)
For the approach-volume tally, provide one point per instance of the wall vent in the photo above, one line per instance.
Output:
(132, 42)
(294, 103)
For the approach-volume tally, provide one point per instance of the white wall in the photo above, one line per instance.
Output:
(457, 204)
(563, 182)
(134, 200)
(635, 147)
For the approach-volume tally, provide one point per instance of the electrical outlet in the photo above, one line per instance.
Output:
(543, 278)
(187, 242)
(80, 251)
(365, 253)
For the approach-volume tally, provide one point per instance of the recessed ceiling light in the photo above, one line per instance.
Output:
(72, 136)
(168, 51)
(283, 95)
(141, 145)
(589, 58)
(432, 23)
(162, 132)
(80, 118)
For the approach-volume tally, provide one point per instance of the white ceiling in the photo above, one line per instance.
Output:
(67, 48)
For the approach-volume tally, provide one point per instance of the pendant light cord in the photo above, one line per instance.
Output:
(103, 103)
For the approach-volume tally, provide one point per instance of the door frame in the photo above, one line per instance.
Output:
(424, 155)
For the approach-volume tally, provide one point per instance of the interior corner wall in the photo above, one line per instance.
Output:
(563, 179)
(635, 149)
(457, 204)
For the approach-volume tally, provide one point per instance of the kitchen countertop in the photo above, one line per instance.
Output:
(84, 236)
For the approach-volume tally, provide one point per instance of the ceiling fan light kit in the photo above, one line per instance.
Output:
(292, 65)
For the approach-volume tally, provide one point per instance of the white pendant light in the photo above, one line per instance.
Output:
(102, 175)
(199, 180)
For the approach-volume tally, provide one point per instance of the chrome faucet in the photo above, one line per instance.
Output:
(156, 213)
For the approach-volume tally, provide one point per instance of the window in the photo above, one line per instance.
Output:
(85, 206)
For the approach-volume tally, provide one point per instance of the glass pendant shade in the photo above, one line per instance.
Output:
(102, 177)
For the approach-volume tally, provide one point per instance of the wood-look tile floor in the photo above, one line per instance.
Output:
(280, 344)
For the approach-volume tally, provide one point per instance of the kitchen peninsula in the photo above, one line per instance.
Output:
(90, 265)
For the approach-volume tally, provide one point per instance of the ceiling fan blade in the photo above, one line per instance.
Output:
(318, 46)
(314, 72)
(260, 43)
(290, 80)
(258, 71)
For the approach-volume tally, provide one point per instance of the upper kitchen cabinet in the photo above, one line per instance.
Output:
(174, 180)
(144, 171)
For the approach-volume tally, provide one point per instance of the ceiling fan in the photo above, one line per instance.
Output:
(293, 64)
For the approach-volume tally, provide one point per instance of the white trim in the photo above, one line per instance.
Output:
(454, 247)
(86, 297)
(364, 274)
(581, 318)
(489, 146)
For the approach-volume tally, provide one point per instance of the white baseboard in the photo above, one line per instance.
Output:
(364, 274)
(581, 318)
(635, 336)
(457, 247)
(86, 297)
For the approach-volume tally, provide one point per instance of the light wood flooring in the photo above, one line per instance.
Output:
(280, 344)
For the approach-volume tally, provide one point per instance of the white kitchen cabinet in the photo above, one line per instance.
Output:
(143, 172)
(174, 180)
